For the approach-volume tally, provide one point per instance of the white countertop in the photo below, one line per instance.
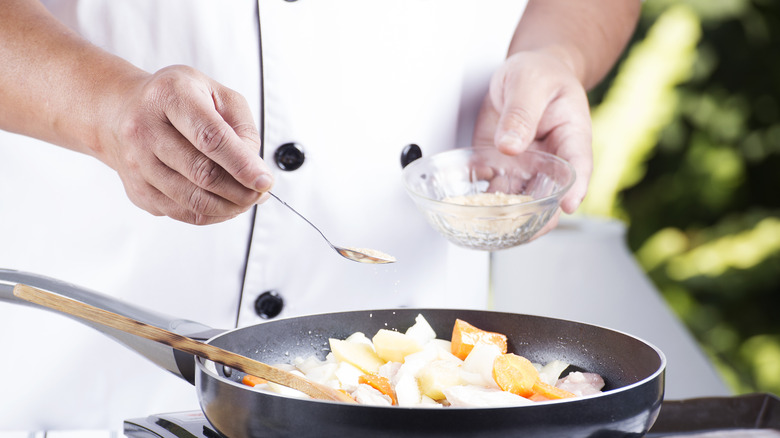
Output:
(591, 276)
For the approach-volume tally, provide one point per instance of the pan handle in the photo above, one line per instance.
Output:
(179, 363)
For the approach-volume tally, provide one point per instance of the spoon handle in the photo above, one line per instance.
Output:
(179, 342)
(304, 218)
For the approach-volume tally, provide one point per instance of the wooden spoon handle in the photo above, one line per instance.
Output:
(179, 342)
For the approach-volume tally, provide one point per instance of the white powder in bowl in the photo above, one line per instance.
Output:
(488, 199)
(482, 228)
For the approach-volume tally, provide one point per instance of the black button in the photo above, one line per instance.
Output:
(289, 156)
(269, 304)
(410, 153)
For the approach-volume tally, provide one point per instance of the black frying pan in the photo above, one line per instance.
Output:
(632, 369)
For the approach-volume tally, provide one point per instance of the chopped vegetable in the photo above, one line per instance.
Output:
(368, 395)
(544, 391)
(515, 374)
(250, 380)
(381, 384)
(581, 384)
(549, 373)
(407, 390)
(421, 331)
(394, 346)
(348, 376)
(478, 366)
(414, 369)
(437, 376)
(357, 353)
(478, 397)
(465, 336)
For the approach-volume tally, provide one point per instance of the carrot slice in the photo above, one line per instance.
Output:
(550, 392)
(381, 384)
(250, 380)
(515, 374)
(346, 393)
(465, 336)
(537, 397)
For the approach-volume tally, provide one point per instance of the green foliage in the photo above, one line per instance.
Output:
(705, 213)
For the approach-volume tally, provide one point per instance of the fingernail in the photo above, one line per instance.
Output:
(263, 183)
(511, 141)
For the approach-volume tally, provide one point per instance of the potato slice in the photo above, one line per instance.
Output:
(357, 354)
(437, 376)
(394, 346)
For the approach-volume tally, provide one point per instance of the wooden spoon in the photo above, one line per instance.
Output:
(179, 342)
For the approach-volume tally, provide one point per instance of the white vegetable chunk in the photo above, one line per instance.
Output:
(413, 363)
(445, 346)
(367, 395)
(551, 372)
(394, 346)
(307, 364)
(479, 363)
(389, 370)
(323, 373)
(348, 375)
(356, 353)
(476, 397)
(429, 402)
(407, 391)
(437, 376)
(283, 390)
(421, 331)
(581, 383)
(360, 338)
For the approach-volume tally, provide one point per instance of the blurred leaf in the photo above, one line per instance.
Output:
(698, 180)
(742, 250)
(763, 352)
(640, 102)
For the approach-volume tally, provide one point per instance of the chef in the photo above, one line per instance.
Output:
(141, 138)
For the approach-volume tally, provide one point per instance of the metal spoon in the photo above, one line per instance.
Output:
(362, 255)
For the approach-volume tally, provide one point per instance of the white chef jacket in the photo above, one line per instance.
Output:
(352, 82)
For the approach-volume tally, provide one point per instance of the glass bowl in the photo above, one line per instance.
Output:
(483, 199)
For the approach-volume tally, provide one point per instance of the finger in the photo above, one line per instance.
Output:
(236, 112)
(551, 224)
(485, 125)
(576, 149)
(569, 136)
(199, 122)
(520, 102)
(148, 198)
(168, 207)
(178, 154)
(191, 197)
(147, 170)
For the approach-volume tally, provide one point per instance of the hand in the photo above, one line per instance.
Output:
(535, 101)
(185, 146)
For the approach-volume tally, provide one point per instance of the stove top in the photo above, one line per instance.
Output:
(192, 424)
(749, 416)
